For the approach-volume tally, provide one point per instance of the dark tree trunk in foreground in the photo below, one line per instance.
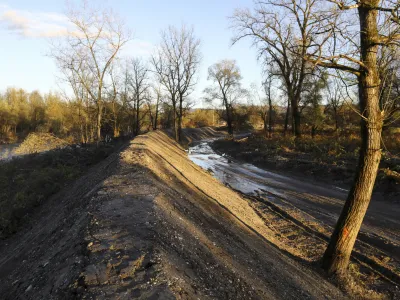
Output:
(337, 255)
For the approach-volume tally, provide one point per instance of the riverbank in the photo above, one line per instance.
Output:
(302, 215)
(324, 161)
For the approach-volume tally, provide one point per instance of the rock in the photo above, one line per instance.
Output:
(28, 289)
(95, 275)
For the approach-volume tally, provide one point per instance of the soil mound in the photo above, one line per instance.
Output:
(40, 142)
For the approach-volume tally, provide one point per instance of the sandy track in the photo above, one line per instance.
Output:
(154, 225)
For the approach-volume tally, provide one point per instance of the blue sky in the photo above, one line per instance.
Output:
(26, 27)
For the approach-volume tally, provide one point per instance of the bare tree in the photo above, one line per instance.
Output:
(268, 92)
(261, 103)
(115, 100)
(312, 103)
(157, 96)
(166, 75)
(176, 64)
(227, 88)
(351, 34)
(282, 31)
(335, 99)
(389, 75)
(81, 100)
(89, 50)
(138, 81)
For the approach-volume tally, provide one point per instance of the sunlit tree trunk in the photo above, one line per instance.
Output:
(337, 255)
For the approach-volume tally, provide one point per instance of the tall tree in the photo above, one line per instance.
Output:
(334, 99)
(176, 63)
(157, 96)
(267, 84)
(227, 88)
(89, 49)
(313, 102)
(281, 30)
(351, 34)
(139, 85)
(389, 75)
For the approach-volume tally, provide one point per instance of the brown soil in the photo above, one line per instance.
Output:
(148, 223)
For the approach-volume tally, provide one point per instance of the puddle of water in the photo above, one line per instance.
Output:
(248, 178)
(242, 177)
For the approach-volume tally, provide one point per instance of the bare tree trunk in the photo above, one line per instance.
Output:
(313, 131)
(296, 117)
(81, 123)
(137, 116)
(228, 117)
(180, 115)
(156, 115)
(336, 120)
(99, 117)
(337, 255)
(270, 118)
(175, 119)
(286, 118)
(116, 129)
(265, 123)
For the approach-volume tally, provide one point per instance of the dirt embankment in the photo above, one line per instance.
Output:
(150, 223)
(191, 135)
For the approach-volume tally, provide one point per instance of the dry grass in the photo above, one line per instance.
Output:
(40, 142)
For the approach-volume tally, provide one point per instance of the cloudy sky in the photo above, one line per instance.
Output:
(27, 28)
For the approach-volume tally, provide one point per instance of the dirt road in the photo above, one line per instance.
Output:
(149, 223)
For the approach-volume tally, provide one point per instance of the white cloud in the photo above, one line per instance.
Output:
(38, 24)
(33, 24)
(138, 47)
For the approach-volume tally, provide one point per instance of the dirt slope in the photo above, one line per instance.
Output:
(151, 224)
(191, 135)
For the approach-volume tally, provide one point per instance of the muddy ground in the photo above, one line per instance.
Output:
(314, 164)
(148, 223)
(302, 213)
